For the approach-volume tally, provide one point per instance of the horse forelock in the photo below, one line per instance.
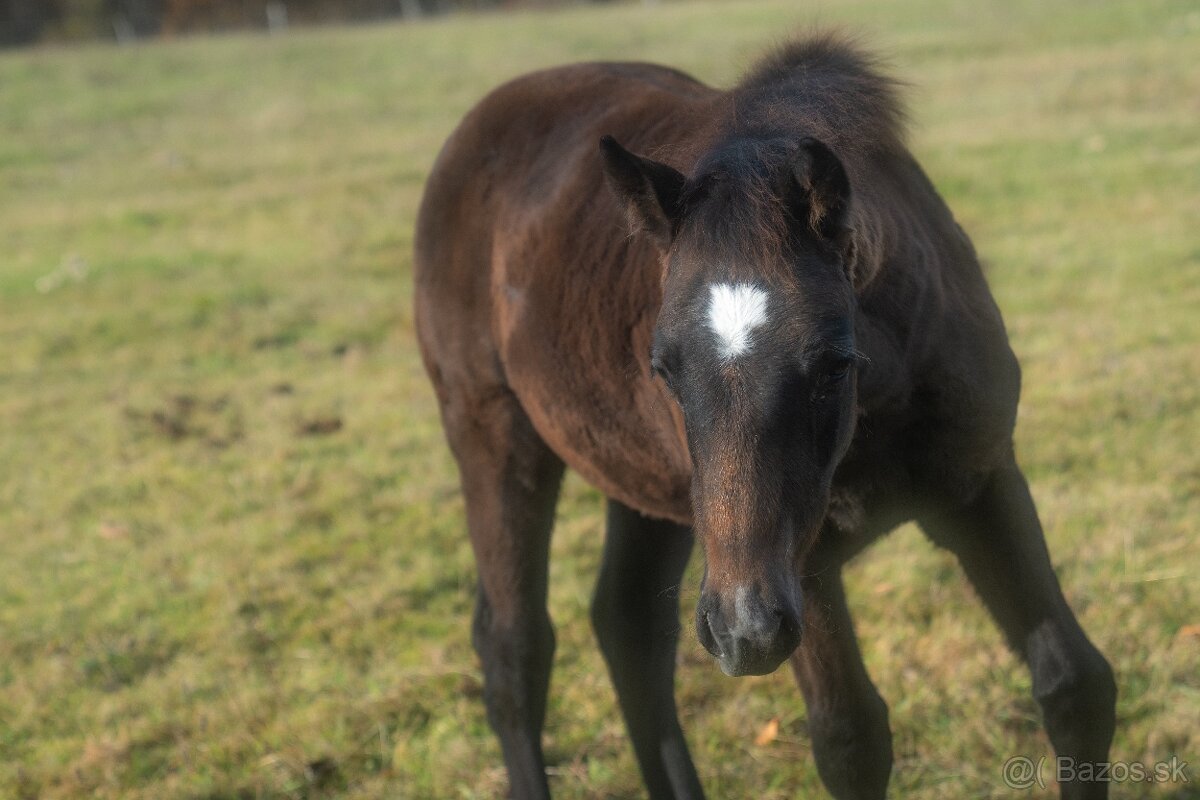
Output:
(734, 210)
(824, 87)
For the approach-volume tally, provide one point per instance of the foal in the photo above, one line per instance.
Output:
(795, 352)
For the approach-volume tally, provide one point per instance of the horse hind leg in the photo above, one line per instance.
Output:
(510, 481)
(999, 542)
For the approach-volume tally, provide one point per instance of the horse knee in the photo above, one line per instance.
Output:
(516, 657)
(1077, 691)
(527, 642)
(1087, 692)
(853, 749)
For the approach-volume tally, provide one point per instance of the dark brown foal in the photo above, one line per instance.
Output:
(795, 352)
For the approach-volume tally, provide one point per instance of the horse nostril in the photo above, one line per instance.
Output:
(763, 627)
(711, 632)
(777, 616)
(718, 632)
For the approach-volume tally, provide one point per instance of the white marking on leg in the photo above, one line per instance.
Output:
(734, 311)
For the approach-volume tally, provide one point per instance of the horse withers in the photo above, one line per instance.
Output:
(793, 352)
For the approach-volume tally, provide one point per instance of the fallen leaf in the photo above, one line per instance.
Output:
(768, 733)
(1189, 630)
(113, 531)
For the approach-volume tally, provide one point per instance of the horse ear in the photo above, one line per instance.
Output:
(823, 189)
(650, 191)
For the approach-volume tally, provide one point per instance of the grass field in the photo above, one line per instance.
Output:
(232, 557)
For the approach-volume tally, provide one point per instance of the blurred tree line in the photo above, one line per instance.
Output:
(28, 21)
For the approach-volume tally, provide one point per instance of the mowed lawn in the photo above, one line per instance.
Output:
(232, 554)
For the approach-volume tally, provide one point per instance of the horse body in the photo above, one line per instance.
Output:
(552, 337)
(563, 324)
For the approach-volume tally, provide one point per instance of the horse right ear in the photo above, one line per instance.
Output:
(822, 188)
(649, 190)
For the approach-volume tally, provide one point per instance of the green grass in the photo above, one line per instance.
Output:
(232, 557)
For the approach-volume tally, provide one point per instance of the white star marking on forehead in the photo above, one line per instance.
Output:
(734, 311)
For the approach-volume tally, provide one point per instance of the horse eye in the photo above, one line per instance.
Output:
(832, 375)
(838, 369)
(659, 367)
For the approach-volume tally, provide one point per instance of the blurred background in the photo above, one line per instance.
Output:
(28, 21)
(232, 553)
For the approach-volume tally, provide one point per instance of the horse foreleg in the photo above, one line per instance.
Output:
(847, 719)
(636, 616)
(510, 482)
(998, 540)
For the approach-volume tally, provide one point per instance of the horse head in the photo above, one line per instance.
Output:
(755, 341)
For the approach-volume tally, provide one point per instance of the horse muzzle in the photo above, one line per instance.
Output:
(750, 635)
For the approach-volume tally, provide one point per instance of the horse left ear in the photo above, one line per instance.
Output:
(823, 190)
(650, 190)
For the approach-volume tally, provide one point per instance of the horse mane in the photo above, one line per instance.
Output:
(825, 87)
(829, 84)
